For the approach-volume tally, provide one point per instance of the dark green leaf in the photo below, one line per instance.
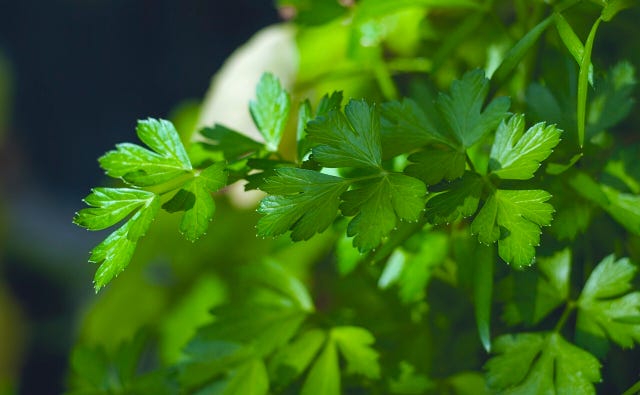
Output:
(378, 205)
(460, 199)
(303, 201)
(232, 144)
(436, 163)
(463, 110)
(537, 363)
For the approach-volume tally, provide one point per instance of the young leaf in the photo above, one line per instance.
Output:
(270, 110)
(606, 307)
(513, 218)
(324, 376)
(142, 167)
(195, 200)
(436, 163)
(460, 199)
(111, 206)
(517, 156)
(303, 201)
(355, 346)
(378, 206)
(535, 363)
(351, 139)
(463, 108)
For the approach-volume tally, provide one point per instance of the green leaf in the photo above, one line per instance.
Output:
(606, 303)
(355, 346)
(250, 378)
(436, 163)
(410, 383)
(583, 80)
(349, 139)
(460, 199)
(623, 207)
(234, 145)
(513, 218)
(537, 363)
(515, 55)
(112, 205)
(405, 127)
(303, 201)
(417, 268)
(142, 167)
(294, 358)
(324, 376)
(536, 294)
(270, 110)
(195, 200)
(378, 205)
(517, 156)
(615, 6)
(463, 108)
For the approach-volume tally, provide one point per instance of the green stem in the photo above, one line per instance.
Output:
(583, 81)
(387, 86)
(635, 389)
(571, 305)
(173, 184)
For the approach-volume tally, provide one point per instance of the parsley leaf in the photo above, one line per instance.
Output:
(517, 156)
(303, 201)
(462, 108)
(234, 146)
(436, 163)
(460, 199)
(355, 345)
(195, 200)
(405, 127)
(378, 205)
(110, 206)
(349, 139)
(513, 218)
(324, 375)
(142, 167)
(270, 110)
(606, 307)
(294, 358)
(534, 363)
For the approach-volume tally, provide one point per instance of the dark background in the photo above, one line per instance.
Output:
(83, 71)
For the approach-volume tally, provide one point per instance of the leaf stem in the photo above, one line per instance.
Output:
(571, 305)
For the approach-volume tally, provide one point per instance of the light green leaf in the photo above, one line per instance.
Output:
(436, 163)
(460, 199)
(250, 378)
(463, 108)
(605, 303)
(324, 376)
(294, 358)
(409, 382)
(270, 110)
(513, 218)
(195, 200)
(110, 206)
(142, 167)
(418, 267)
(378, 205)
(349, 139)
(355, 346)
(517, 156)
(303, 201)
(538, 363)
(116, 251)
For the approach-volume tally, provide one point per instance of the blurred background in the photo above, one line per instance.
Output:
(75, 75)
